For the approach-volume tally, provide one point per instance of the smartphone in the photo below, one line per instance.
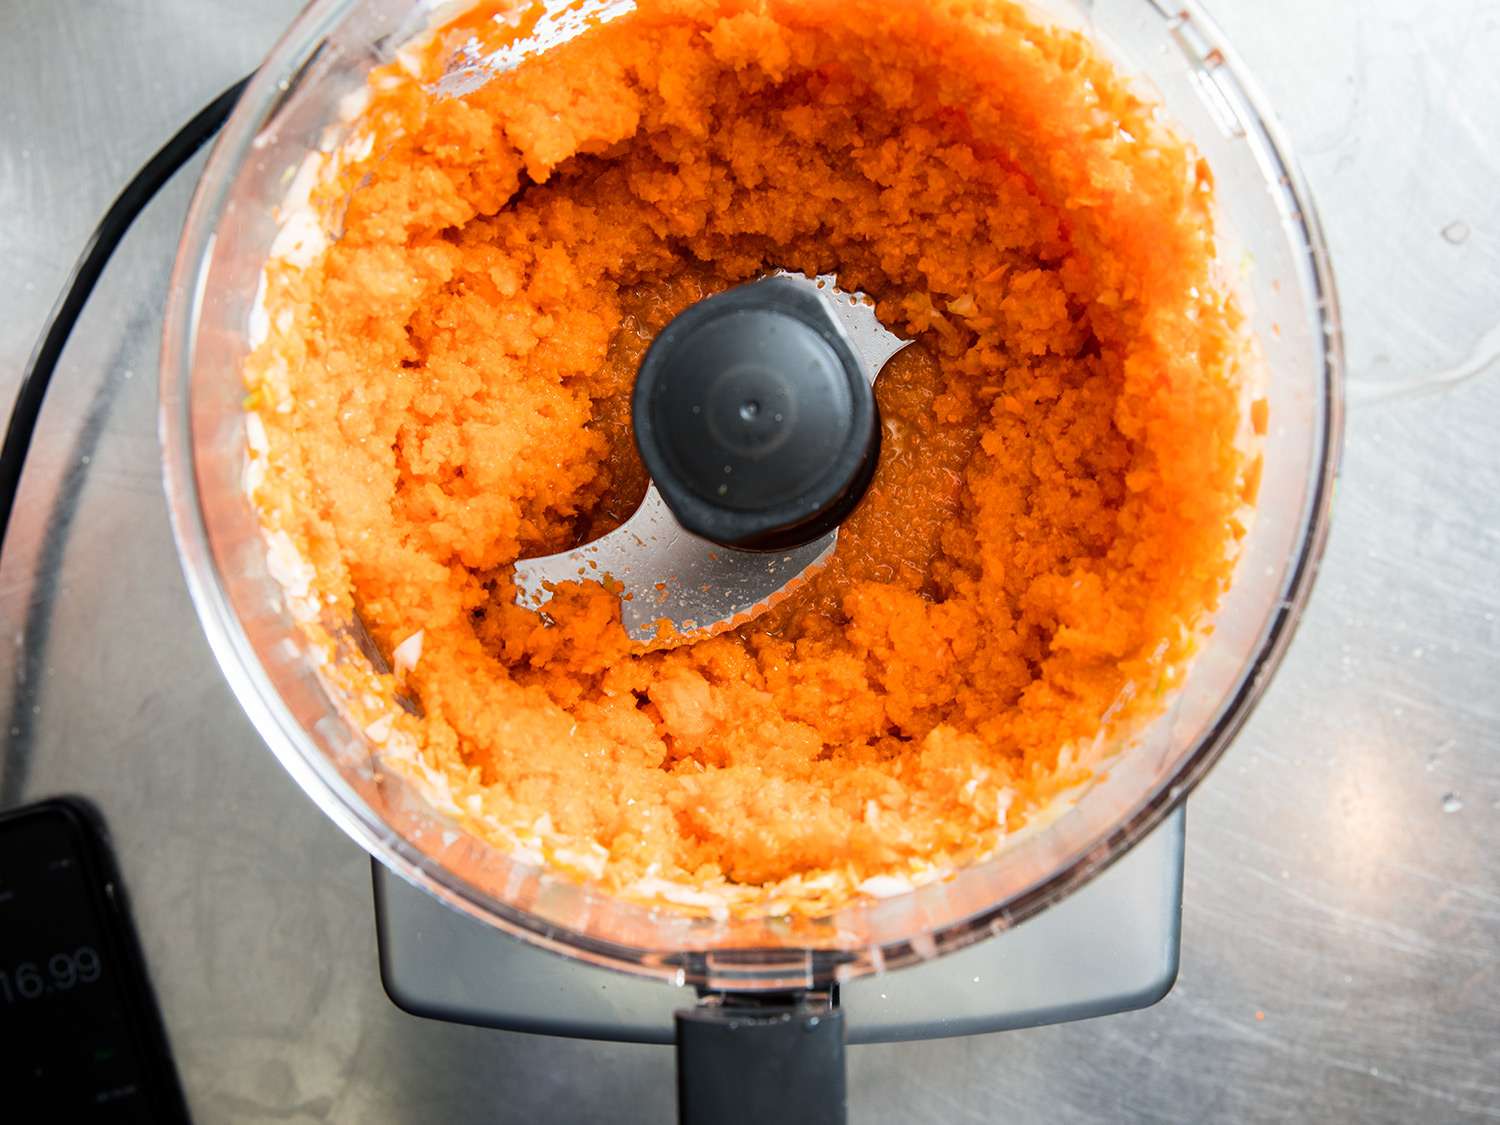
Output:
(80, 1035)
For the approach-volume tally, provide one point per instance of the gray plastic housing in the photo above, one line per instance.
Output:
(1111, 947)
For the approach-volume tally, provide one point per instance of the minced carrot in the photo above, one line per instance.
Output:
(1260, 415)
(1059, 477)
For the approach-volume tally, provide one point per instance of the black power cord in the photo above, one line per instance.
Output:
(101, 245)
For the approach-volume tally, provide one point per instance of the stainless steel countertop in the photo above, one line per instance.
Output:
(1341, 942)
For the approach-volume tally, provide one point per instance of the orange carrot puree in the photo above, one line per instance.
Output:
(1055, 501)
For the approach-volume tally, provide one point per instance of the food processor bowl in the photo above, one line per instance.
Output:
(295, 104)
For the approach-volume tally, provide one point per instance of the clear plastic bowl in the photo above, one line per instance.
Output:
(290, 107)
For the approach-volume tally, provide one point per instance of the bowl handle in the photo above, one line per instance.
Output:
(749, 1059)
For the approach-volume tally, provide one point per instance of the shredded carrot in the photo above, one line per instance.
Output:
(1059, 481)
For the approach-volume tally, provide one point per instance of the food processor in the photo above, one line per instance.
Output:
(776, 1003)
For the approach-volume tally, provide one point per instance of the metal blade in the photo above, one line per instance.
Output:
(666, 573)
(873, 342)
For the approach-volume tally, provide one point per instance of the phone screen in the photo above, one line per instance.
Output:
(82, 1040)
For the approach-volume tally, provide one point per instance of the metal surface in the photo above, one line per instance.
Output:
(664, 572)
(1341, 879)
(1111, 947)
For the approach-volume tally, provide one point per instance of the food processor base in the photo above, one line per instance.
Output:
(1110, 947)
